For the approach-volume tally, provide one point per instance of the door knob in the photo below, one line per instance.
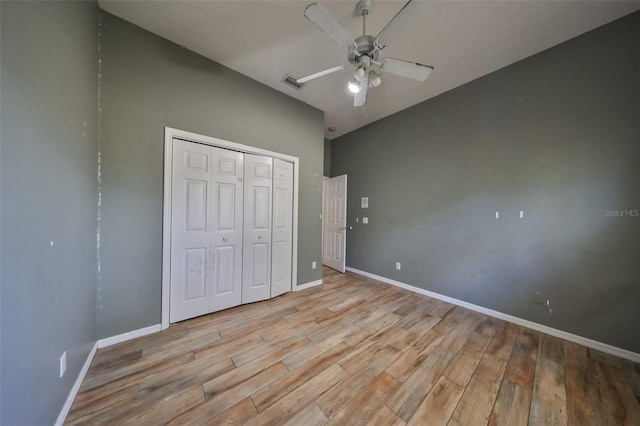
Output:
(259, 237)
(224, 238)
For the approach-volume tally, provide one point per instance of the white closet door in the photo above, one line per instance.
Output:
(256, 270)
(190, 230)
(228, 169)
(282, 227)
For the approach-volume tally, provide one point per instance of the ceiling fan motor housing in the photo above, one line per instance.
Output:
(365, 45)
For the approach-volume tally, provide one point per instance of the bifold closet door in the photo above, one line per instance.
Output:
(190, 230)
(206, 230)
(227, 217)
(282, 227)
(256, 255)
(231, 229)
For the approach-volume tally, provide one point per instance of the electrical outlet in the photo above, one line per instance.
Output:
(365, 220)
(537, 298)
(63, 363)
(313, 265)
(398, 266)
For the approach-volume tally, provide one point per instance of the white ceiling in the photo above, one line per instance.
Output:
(463, 40)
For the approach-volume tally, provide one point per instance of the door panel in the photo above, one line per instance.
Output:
(281, 279)
(190, 235)
(195, 286)
(196, 161)
(260, 266)
(196, 204)
(226, 206)
(328, 246)
(261, 211)
(330, 212)
(225, 270)
(227, 166)
(280, 201)
(256, 260)
(226, 240)
(339, 215)
(334, 222)
(337, 244)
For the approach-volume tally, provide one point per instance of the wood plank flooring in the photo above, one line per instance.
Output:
(355, 351)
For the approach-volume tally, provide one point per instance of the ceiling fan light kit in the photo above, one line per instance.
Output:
(374, 79)
(364, 52)
(353, 86)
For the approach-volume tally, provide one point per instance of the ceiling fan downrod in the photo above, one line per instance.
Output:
(365, 12)
(363, 8)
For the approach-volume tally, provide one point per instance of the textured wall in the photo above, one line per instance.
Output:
(48, 168)
(556, 135)
(149, 83)
(327, 158)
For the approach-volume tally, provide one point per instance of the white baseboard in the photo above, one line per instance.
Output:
(76, 387)
(594, 344)
(307, 285)
(108, 341)
(102, 343)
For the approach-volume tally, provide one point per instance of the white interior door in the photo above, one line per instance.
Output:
(230, 230)
(282, 227)
(226, 242)
(190, 229)
(334, 219)
(256, 256)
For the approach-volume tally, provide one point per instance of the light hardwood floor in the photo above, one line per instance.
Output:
(355, 351)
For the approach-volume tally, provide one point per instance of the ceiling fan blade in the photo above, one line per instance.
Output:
(408, 15)
(320, 74)
(360, 98)
(321, 18)
(406, 69)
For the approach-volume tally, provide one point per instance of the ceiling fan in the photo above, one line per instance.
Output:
(364, 51)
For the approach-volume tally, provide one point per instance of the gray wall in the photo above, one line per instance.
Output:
(48, 169)
(149, 83)
(327, 158)
(556, 135)
(0, 213)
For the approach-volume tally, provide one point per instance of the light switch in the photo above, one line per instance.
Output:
(364, 202)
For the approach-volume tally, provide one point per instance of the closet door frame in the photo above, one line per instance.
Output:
(169, 135)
